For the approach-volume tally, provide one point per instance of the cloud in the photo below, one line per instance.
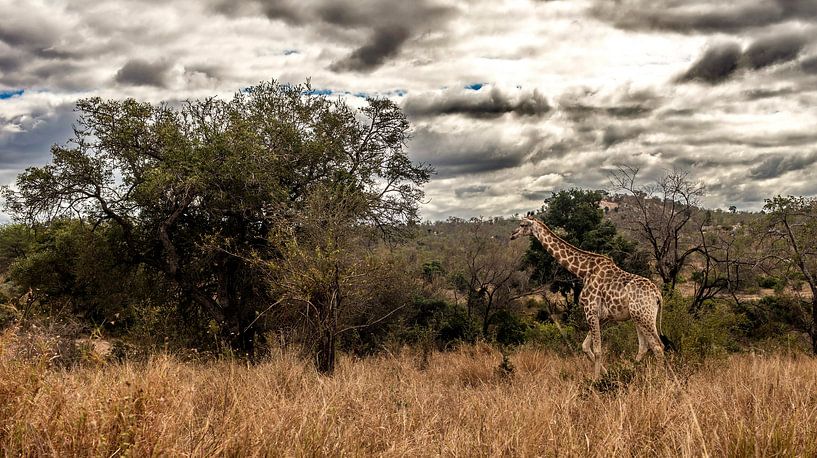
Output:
(26, 139)
(476, 150)
(718, 62)
(384, 43)
(618, 134)
(139, 72)
(809, 65)
(470, 190)
(702, 15)
(389, 24)
(622, 102)
(483, 103)
(537, 195)
(781, 164)
(288, 11)
(773, 49)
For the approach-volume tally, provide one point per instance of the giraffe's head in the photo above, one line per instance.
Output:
(525, 228)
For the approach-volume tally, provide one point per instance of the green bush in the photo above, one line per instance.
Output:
(772, 282)
(548, 336)
(620, 339)
(437, 321)
(772, 316)
(510, 330)
(717, 329)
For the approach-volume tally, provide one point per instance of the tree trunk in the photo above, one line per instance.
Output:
(813, 323)
(486, 319)
(325, 356)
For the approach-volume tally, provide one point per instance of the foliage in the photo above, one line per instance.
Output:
(327, 280)
(195, 192)
(447, 325)
(551, 337)
(717, 330)
(791, 224)
(510, 330)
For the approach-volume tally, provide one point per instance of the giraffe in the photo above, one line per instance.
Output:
(609, 293)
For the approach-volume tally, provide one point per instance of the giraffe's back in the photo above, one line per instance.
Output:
(623, 295)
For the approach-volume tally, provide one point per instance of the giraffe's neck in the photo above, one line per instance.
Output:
(578, 262)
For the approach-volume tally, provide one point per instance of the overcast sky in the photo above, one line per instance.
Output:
(509, 100)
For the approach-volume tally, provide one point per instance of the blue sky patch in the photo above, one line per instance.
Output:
(288, 52)
(475, 86)
(9, 94)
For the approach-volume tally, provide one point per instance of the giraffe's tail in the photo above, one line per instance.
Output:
(665, 342)
(668, 345)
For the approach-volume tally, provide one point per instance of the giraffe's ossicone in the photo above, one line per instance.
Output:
(609, 292)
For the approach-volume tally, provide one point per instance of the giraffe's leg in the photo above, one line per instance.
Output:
(587, 346)
(643, 347)
(595, 330)
(655, 341)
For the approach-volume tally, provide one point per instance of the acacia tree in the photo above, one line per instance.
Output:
(791, 224)
(719, 272)
(331, 277)
(489, 270)
(664, 210)
(197, 190)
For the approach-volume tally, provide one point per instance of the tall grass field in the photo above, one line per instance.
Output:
(461, 403)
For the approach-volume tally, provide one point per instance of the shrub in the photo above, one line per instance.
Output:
(510, 330)
(772, 282)
(548, 336)
(434, 320)
(716, 330)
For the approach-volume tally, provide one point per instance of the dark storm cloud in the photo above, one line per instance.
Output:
(340, 13)
(809, 65)
(468, 191)
(618, 134)
(773, 49)
(27, 34)
(287, 11)
(10, 62)
(716, 64)
(139, 72)
(761, 93)
(702, 16)
(781, 164)
(473, 152)
(584, 106)
(390, 23)
(483, 103)
(384, 43)
(721, 61)
(580, 110)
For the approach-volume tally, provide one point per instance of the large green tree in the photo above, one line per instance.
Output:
(197, 190)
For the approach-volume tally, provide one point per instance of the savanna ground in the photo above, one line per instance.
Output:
(459, 403)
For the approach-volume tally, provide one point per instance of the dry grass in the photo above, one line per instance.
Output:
(460, 405)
